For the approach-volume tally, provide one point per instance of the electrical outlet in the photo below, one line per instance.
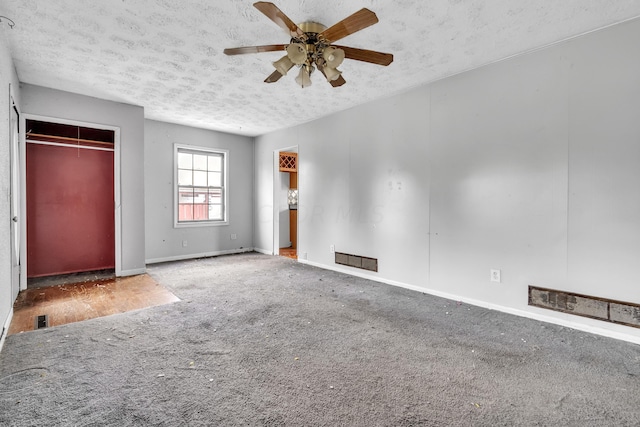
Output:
(304, 255)
(495, 276)
(234, 236)
(332, 249)
(184, 243)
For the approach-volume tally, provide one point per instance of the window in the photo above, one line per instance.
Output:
(201, 186)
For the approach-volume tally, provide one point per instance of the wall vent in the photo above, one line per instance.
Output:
(357, 261)
(623, 313)
(42, 322)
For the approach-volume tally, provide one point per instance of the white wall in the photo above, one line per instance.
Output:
(604, 165)
(163, 241)
(498, 157)
(7, 77)
(130, 119)
(530, 166)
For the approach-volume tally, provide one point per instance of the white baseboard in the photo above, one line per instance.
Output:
(134, 272)
(263, 251)
(200, 255)
(562, 319)
(7, 323)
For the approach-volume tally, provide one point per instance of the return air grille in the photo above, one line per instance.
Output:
(357, 261)
(623, 313)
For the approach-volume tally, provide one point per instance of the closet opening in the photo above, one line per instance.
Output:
(70, 207)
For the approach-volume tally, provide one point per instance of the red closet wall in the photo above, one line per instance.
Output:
(70, 210)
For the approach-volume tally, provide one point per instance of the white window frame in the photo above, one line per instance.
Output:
(225, 186)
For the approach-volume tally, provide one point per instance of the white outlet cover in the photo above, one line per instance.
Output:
(332, 249)
(495, 276)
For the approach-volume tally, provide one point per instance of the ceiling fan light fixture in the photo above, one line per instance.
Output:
(283, 65)
(332, 73)
(333, 56)
(310, 45)
(297, 53)
(304, 78)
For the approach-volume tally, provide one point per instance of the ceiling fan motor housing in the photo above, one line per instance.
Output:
(312, 27)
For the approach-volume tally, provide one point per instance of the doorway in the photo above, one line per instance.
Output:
(286, 203)
(69, 199)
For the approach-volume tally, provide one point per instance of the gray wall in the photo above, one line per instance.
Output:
(163, 241)
(130, 119)
(530, 166)
(7, 77)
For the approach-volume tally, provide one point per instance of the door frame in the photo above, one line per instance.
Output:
(15, 191)
(276, 196)
(116, 186)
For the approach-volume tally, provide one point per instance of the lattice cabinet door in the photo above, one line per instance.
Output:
(288, 162)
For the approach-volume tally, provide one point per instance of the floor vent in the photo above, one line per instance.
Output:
(357, 261)
(623, 313)
(42, 322)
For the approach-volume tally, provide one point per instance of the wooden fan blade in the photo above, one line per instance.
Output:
(272, 12)
(356, 22)
(274, 77)
(366, 55)
(338, 82)
(254, 49)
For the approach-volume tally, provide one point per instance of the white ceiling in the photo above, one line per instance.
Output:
(166, 55)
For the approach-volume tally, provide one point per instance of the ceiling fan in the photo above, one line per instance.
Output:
(311, 46)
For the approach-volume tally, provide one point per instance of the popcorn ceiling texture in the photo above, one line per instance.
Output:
(167, 55)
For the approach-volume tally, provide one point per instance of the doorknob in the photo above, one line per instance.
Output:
(14, 219)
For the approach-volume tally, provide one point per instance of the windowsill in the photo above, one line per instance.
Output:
(200, 224)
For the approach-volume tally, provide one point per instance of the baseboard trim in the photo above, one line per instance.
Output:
(199, 255)
(135, 272)
(263, 251)
(5, 329)
(533, 314)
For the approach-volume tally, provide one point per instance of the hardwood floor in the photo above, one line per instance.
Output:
(67, 279)
(289, 253)
(67, 303)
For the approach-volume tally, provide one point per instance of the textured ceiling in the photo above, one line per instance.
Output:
(166, 55)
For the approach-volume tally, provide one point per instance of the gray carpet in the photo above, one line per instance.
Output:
(265, 341)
